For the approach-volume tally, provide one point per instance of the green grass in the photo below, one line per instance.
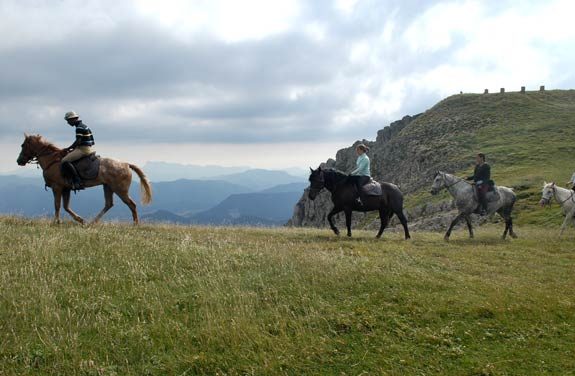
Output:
(159, 300)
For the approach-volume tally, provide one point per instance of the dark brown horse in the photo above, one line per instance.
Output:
(343, 197)
(114, 175)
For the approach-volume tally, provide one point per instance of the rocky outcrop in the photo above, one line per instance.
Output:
(407, 153)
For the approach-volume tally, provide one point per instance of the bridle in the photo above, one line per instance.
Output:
(42, 153)
(554, 190)
(457, 181)
(315, 183)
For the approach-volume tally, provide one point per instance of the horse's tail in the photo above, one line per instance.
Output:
(145, 187)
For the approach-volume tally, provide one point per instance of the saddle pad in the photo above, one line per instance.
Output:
(372, 188)
(88, 167)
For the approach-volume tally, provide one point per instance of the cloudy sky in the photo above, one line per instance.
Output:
(256, 82)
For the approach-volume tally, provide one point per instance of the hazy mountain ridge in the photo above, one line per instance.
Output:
(174, 201)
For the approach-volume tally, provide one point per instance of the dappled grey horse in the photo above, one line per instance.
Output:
(501, 201)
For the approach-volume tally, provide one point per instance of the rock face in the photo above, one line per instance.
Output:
(408, 152)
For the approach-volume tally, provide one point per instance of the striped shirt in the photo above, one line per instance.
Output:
(84, 135)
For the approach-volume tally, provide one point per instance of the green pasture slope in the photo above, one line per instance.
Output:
(531, 139)
(159, 300)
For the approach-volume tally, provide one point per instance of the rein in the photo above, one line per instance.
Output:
(332, 182)
(44, 153)
(571, 197)
(458, 180)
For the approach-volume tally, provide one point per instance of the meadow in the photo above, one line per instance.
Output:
(114, 299)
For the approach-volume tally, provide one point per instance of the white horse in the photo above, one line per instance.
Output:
(500, 201)
(564, 197)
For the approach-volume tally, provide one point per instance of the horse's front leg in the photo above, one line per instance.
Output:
(348, 221)
(57, 203)
(66, 197)
(384, 220)
(568, 218)
(333, 212)
(453, 223)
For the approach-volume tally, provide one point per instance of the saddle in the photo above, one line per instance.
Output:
(492, 194)
(88, 167)
(372, 188)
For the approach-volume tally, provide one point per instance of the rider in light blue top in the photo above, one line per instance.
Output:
(362, 166)
(361, 175)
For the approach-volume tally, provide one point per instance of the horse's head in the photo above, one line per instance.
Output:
(316, 182)
(28, 151)
(438, 183)
(547, 194)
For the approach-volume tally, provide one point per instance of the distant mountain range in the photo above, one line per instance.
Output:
(252, 197)
(165, 171)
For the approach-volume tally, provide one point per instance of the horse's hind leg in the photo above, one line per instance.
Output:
(403, 221)
(109, 202)
(511, 232)
(66, 197)
(384, 219)
(469, 226)
(505, 213)
(125, 197)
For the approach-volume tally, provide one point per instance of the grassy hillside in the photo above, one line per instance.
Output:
(153, 300)
(528, 139)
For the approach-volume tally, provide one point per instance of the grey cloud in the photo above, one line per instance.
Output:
(206, 90)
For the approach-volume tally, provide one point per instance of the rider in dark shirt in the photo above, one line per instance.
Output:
(482, 177)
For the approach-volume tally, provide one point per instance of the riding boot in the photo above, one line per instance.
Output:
(482, 206)
(72, 174)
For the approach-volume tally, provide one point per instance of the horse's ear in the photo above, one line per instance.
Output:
(319, 168)
(553, 184)
(25, 135)
(311, 169)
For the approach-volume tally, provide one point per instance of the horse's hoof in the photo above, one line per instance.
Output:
(514, 236)
(349, 235)
(408, 238)
(446, 238)
(378, 236)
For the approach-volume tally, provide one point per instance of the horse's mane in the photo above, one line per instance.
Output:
(336, 172)
(45, 144)
(334, 176)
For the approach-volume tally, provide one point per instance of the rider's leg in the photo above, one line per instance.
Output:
(481, 196)
(69, 169)
(354, 179)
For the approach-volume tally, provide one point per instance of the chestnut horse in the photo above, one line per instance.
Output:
(114, 175)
